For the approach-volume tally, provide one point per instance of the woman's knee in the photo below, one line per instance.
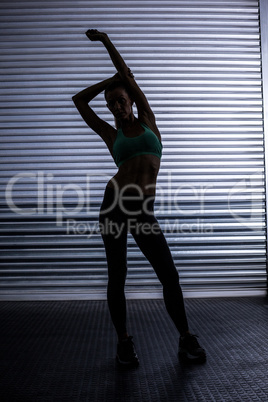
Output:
(117, 280)
(115, 290)
(170, 279)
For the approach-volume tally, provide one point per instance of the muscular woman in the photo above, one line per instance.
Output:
(128, 203)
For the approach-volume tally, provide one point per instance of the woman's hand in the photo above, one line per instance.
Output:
(95, 35)
(130, 74)
(116, 77)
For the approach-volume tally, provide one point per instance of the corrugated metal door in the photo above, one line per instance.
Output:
(199, 63)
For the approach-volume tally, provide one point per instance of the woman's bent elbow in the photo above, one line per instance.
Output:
(75, 99)
(78, 101)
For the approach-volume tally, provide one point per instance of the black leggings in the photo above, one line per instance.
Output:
(118, 216)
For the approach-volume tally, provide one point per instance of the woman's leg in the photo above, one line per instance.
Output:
(117, 270)
(114, 234)
(153, 244)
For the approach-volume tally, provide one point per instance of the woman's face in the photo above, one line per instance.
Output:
(119, 103)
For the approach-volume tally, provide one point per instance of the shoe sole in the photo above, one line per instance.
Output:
(122, 363)
(187, 358)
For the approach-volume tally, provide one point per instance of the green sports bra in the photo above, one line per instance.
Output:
(125, 148)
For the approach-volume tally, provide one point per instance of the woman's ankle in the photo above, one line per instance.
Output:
(122, 337)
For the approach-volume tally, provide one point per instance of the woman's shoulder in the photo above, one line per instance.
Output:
(151, 124)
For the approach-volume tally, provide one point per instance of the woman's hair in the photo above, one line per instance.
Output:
(116, 84)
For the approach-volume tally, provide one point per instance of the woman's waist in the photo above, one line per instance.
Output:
(132, 186)
(139, 174)
(134, 182)
(127, 201)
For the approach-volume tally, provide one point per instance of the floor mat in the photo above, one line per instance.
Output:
(65, 351)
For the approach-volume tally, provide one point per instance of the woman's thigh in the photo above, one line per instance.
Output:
(113, 228)
(152, 242)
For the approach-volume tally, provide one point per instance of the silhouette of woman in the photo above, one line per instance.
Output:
(128, 203)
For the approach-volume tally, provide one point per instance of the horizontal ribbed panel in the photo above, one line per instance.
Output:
(199, 64)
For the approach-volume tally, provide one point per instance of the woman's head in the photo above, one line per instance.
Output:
(119, 101)
(114, 85)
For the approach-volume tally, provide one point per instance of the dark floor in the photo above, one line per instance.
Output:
(64, 351)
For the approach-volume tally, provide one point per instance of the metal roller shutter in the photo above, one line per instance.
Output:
(199, 63)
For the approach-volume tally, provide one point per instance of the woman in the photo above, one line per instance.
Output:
(128, 201)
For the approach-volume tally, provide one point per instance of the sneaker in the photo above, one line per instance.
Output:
(126, 353)
(190, 350)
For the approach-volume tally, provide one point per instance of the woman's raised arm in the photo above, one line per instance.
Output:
(144, 110)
